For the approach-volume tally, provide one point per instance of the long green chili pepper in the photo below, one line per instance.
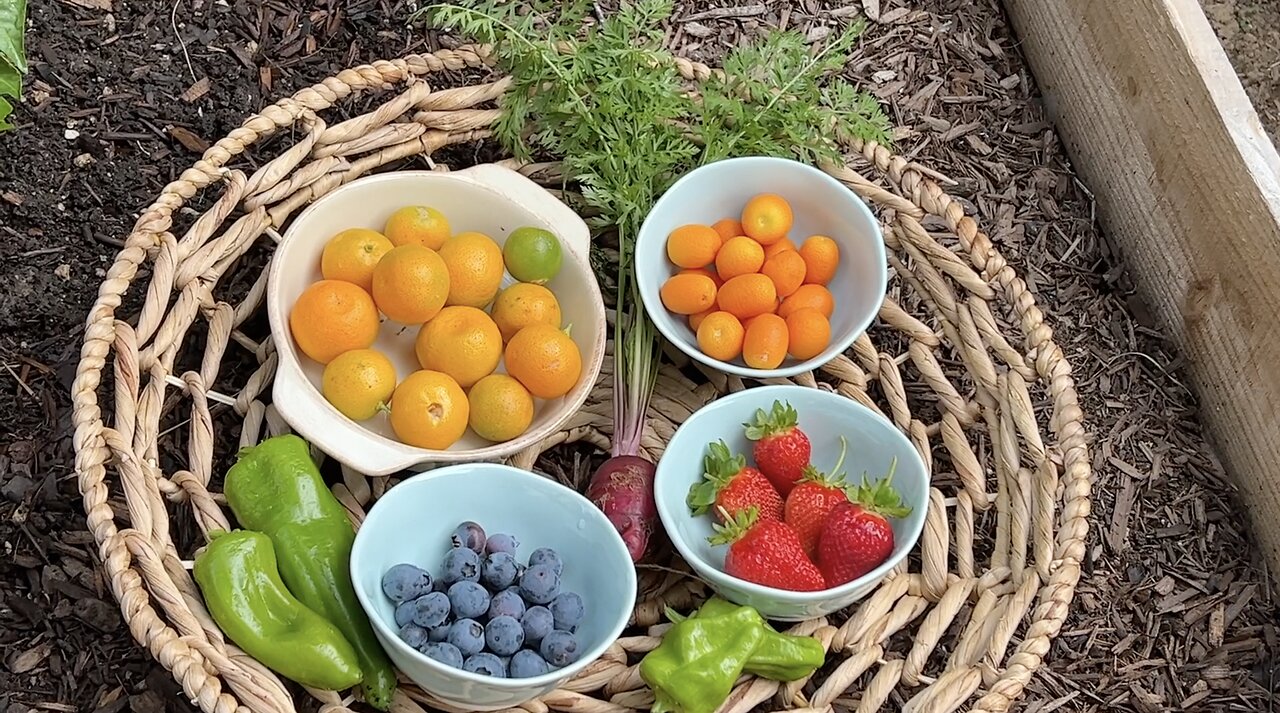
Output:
(237, 575)
(275, 488)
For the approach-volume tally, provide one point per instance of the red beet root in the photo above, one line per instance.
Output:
(622, 487)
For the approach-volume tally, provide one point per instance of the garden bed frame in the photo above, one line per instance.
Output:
(1187, 185)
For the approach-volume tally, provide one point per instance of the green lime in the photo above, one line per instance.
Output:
(532, 255)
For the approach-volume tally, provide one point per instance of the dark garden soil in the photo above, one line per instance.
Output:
(1250, 32)
(1174, 612)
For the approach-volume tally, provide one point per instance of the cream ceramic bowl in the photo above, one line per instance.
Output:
(824, 416)
(412, 523)
(487, 198)
(821, 205)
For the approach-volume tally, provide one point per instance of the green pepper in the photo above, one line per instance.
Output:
(237, 575)
(693, 669)
(779, 657)
(275, 488)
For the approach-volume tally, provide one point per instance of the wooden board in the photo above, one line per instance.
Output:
(1188, 186)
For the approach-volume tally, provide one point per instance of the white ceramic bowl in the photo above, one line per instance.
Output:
(487, 198)
(822, 206)
(824, 416)
(412, 523)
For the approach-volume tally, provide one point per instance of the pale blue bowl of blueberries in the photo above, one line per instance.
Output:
(488, 585)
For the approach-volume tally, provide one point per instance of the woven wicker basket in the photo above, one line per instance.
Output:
(960, 359)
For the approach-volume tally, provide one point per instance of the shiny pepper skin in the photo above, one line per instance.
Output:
(237, 576)
(276, 489)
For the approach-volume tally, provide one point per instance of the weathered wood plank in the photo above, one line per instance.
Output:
(1188, 186)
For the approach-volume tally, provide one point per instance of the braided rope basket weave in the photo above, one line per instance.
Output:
(960, 360)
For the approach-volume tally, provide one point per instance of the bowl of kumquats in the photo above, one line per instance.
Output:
(761, 267)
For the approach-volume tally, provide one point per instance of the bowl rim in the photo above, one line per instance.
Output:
(289, 366)
(836, 347)
(613, 541)
(706, 569)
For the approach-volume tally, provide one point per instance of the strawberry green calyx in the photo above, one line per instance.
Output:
(780, 419)
(880, 498)
(719, 467)
(735, 527)
(836, 478)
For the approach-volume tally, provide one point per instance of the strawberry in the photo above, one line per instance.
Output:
(857, 537)
(730, 485)
(766, 552)
(812, 500)
(781, 448)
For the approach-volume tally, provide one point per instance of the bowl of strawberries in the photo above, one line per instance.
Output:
(793, 500)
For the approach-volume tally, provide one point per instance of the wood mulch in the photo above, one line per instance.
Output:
(1174, 612)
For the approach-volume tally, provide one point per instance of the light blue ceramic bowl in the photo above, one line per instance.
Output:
(412, 523)
(821, 205)
(824, 416)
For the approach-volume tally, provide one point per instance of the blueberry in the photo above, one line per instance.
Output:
(469, 535)
(502, 543)
(467, 635)
(506, 603)
(404, 612)
(559, 648)
(438, 633)
(499, 571)
(539, 584)
(486, 664)
(445, 653)
(413, 635)
(548, 556)
(537, 622)
(527, 664)
(469, 600)
(567, 609)
(504, 635)
(461, 565)
(404, 582)
(431, 610)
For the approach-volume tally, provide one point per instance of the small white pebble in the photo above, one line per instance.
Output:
(71, 134)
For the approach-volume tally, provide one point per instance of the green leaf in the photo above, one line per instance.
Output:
(13, 22)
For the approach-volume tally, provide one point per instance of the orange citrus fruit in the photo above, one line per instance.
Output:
(786, 269)
(764, 345)
(523, 304)
(693, 245)
(358, 382)
(707, 272)
(331, 317)
(462, 342)
(410, 283)
(429, 410)
(779, 247)
(720, 336)
(739, 256)
(767, 218)
(808, 333)
(814, 296)
(352, 254)
(545, 360)
(821, 257)
(746, 296)
(501, 408)
(688, 293)
(417, 224)
(475, 268)
(695, 320)
(728, 228)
